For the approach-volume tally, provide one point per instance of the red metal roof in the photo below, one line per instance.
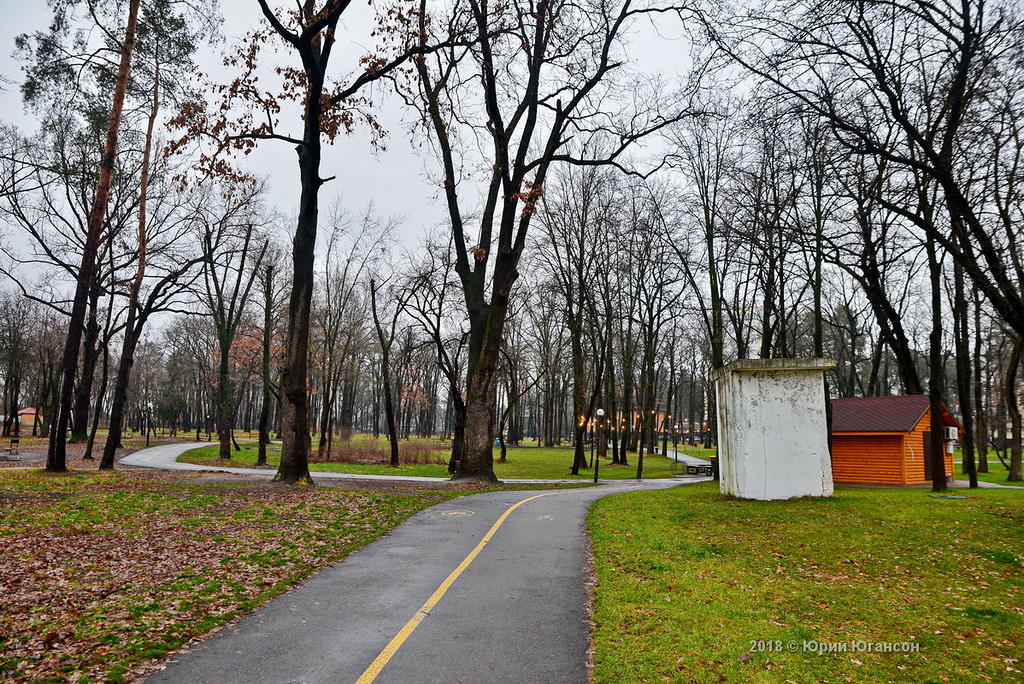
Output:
(881, 414)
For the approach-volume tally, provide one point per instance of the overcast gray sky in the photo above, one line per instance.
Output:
(396, 180)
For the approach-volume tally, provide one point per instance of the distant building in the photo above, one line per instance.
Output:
(30, 416)
(27, 417)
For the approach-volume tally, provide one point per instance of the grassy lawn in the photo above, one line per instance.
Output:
(698, 451)
(103, 571)
(694, 587)
(523, 463)
(996, 474)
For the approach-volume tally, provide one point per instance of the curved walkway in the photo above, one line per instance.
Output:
(166, 458)
(488, 588)
(418, 606)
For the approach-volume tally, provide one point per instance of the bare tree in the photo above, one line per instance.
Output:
(247, 113)
(386, 337)
(654, 283)
(56, 456)
(354, 244)
(233, 254)
(14, 339)
(62, 61)
(542, 73)
(431, 285)
(919, 71)
(271, 290)
(575, 216)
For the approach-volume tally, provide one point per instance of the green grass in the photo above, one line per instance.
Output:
(996, 475)
(698, 451)
(695, 587)
(523, 463)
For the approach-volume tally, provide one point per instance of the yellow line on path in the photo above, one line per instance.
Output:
(396, 643)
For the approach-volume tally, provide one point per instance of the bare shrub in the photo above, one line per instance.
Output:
(378, 452)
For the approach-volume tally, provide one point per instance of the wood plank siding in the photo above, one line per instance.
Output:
(871, 458)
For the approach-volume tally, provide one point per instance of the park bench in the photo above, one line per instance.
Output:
(709, 470)
(12, 450)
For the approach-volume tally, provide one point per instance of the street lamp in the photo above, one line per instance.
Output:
(597, 463)
(149, 420)
(593, 440)
(675, 440)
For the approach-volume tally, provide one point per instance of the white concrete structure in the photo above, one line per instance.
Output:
(772, 433)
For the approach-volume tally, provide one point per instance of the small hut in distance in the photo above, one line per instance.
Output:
(884, 440)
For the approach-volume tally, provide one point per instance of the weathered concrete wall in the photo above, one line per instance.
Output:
(772, 433)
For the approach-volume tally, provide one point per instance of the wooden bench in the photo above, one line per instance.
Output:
(709, 470)
(12, 449)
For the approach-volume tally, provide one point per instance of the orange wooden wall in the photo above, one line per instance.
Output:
(867, 457)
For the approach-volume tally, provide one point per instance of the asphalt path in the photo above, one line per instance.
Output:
(515, 613)
(165, 457)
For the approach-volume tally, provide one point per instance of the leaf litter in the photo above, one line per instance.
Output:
(103, 575)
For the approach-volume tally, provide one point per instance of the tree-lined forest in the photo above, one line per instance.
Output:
(829, 179)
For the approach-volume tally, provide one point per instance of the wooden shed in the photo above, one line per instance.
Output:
(29, 416)
(884, 440)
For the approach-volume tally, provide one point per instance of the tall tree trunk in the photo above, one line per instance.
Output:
(134, 324)
(669, 403)
(385, 376)
(477, 462)
(1013, 406)
(647, 406)
(296, 440)
(626, 424)
(104, 381)
(348, 400)
(981, 433)
(328, 395)
(486, 332)
(579, 379)
(876, 366)
(56, 458)
(961, 335)
(117, 404)
(936, 371)
(459, 429)
(225, 405)
(817, 198)
(267, 398)
(90, 356)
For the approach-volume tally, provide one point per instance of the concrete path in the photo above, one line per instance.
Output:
(165, 458)
(966, 484)
(514, 614)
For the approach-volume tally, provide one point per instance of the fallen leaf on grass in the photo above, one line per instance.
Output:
(129, 569)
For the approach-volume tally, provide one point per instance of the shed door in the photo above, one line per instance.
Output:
(927, 455)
